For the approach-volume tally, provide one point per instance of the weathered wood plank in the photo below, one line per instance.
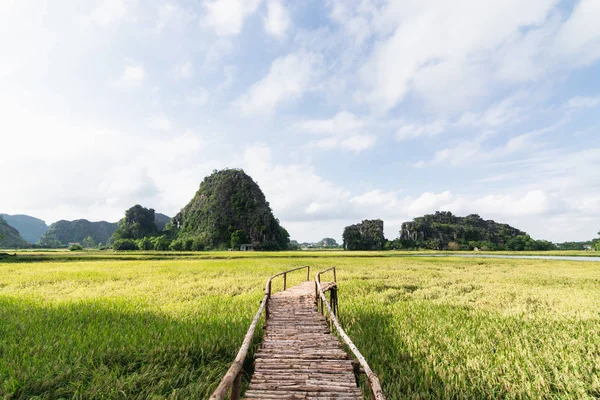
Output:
(299, 358)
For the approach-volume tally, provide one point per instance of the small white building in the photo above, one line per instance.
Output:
(246, 247)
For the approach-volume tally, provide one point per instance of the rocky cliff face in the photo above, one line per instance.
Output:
(444, 227)
(229, 208)
(368, 235)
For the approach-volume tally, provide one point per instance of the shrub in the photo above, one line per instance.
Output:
(145, 244)
(453, 246)
(75, 247)
(177, 245)
(125, 244)
(197, 244)
(161, 243)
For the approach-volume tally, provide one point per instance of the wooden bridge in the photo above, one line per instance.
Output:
(299, 357)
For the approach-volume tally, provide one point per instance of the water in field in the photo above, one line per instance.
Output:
(563, 258)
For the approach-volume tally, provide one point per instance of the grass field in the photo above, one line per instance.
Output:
(99, 325)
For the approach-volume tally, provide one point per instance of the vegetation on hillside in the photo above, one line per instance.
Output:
(445, 231)
(368, 235)
(137, 224)
(61, 233)
(30, 228)
(574, 245)
(10, 237)
(228, 209)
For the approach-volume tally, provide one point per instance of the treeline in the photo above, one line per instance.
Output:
(444, 231)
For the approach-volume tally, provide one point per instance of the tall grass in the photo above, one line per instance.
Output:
(169, 328)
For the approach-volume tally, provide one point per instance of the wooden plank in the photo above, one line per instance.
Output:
(299, 358)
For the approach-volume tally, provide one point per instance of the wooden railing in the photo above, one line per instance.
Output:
(233, 378)
(373, 381)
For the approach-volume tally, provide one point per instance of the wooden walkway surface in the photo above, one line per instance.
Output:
(299, 357)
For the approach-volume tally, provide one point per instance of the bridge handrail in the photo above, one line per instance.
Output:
(233, 378)
(374, 383)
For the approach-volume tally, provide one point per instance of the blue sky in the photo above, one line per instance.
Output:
(340, 110)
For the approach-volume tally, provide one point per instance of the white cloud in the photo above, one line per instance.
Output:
(343, 122)
(277, 21)
(295, 191)
(182, 71)
(159, 122)
(108, 11)
(413, 131)
(199, 98)
(342, 131)
(449, 53)
(355, 143)
(508, 110)
(216, 52)
(583, 102)
(172, 15)
(579, 37)
(132, 75)
(159, 172)
(227, 17)
(230, 73)
(473, 151)
(354, 18)
(288, 79)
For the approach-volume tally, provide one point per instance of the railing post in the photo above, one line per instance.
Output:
(285, 281)
(334, 277)
(236, 388)
(268, 300)
(308, 273)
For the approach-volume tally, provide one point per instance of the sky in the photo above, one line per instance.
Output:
(340, 110)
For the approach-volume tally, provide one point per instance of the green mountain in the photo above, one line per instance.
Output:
(63, 232)
(230, 209)
(444, 230)
(9, 236)
(161, 221)
(30, 228)
(368, 235)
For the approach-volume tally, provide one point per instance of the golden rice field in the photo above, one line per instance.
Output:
(156, 326)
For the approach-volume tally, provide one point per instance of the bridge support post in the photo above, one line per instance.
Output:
(236, 388)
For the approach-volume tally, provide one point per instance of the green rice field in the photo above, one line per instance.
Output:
(167, 325)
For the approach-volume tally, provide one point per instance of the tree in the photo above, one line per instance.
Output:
(238, 238)
(125, 244)
(75, 247)
(89, 242)
(161, 243)
(145, 244)
(138, 223)
(328, 242)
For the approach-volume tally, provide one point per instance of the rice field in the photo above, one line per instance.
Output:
(155, 326)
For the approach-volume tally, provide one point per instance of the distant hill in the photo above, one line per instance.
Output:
(30, 228)
(9, 236)
(64, 232)
(230, 209)
(444, 230)
(161, 220)
(368, 235)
